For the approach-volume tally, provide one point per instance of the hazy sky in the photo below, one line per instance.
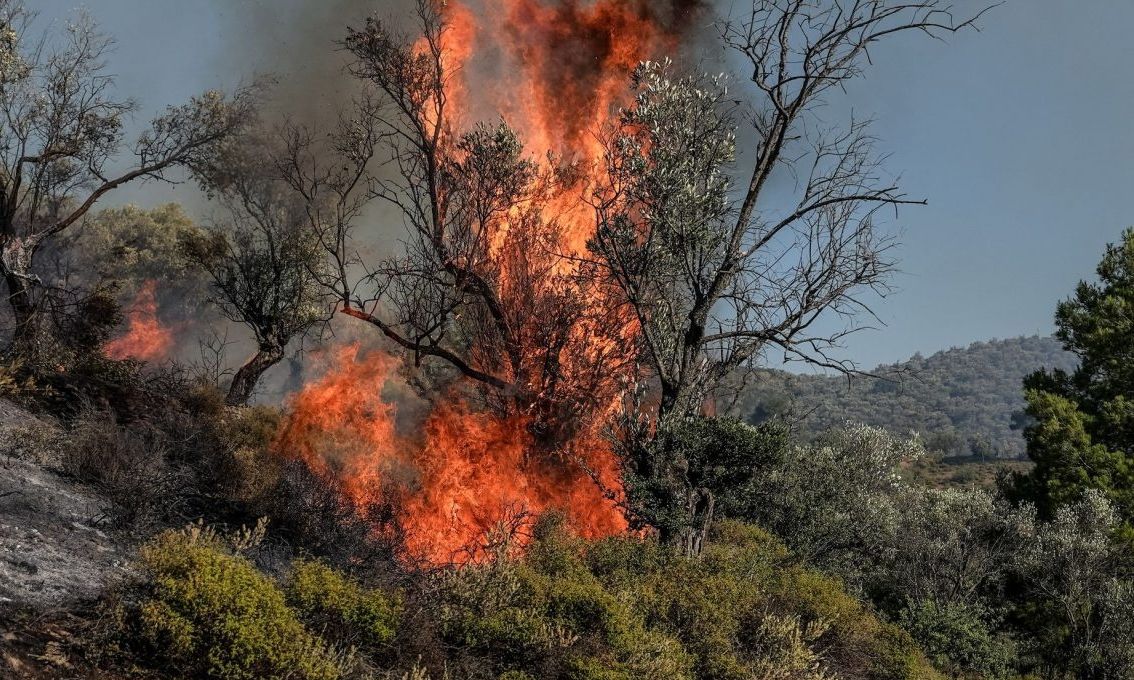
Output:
(1021, 137)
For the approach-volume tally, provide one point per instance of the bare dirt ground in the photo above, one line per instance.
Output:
(52, 549)
(56, 554)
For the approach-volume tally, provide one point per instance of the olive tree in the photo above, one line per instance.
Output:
(952, 545)
(1077, 573)
(719, 268)
(833, 500)
(62, 143)
(263, 260)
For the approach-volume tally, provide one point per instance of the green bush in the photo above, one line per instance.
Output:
(959, 640)
(745, 607)
(341, 609)
(617, 609)
(626, 608)
(549, 616)
(212, 614)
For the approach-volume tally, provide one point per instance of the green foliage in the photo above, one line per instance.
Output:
(831, 501)
(1077, 579)
(718, 458)
(949, 546)
(666, 221)
(343, 610)
(551, 617)
(632, 608)
(1082, 431)
(960, 640)
(138, 244)
(211, 614)
(127, 246)
(961, 401)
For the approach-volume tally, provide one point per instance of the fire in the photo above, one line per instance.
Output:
(556, 70)
(146, 339)
(457, 475)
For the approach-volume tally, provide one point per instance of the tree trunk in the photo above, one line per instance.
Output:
(25, 335)
(701, 506)
(690, 538)
(244, 382)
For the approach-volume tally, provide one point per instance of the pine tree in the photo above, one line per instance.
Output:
(1081, 434)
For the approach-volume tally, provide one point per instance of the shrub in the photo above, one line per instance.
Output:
(16, 382)
(311, 511)
(959, 640)
(745, 607)
(130, 465)
(549, 616)
(211, 614)
(339, 607)
(244, 469)
(721, 458)
(632, 608)
(28, 438)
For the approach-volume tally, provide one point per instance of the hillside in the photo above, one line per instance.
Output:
(961, 400)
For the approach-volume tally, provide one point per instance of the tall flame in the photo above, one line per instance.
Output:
(146, 338)
(556, 70)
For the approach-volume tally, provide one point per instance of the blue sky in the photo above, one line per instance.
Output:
(1021, 137)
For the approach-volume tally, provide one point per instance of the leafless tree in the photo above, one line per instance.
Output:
(61, 135)
(264, 261)
(719, 267)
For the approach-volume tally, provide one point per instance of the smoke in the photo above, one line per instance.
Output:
(295, 42)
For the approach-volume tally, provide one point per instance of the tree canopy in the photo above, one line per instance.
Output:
(1081, 434)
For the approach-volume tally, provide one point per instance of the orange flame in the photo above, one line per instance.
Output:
(146, 339)
(457, 478)
(556, 70)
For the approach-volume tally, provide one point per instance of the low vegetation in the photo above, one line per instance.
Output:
(568, 608)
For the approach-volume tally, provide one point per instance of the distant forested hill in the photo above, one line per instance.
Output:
(960, 400)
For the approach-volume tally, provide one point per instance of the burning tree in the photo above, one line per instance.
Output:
(492, 284)
(716, 267)
(61, 136)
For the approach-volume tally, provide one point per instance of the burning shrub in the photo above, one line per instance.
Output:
(311, 511)
(211, 614)
(146, 338)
